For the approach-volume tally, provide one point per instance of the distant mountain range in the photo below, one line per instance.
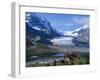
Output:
(39, 29)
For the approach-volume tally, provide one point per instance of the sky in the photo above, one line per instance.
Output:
(66, 22)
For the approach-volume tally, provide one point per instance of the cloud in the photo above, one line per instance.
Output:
(81, 20)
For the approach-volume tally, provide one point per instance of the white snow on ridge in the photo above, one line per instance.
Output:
(77, 32)
(84, 27)
(37, 28)
(70, 33)
(83, 34)
(27, 21)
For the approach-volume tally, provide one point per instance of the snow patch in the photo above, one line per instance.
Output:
(37, 28)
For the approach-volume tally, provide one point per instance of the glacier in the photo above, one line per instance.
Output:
(76, 38)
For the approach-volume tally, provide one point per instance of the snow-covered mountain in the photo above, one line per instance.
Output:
(39, 29)
(83, 34)
(78, 38)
